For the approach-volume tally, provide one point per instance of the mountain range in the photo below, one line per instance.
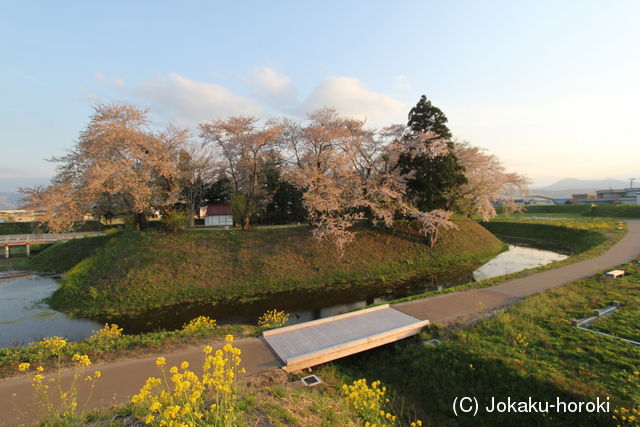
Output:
(9, 200)
(568, 186)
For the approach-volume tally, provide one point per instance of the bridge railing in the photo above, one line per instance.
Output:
(48, 237)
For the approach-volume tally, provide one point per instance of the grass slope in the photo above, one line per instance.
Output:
(578, 240)
(62, 256)
(530, 349)
(606, 211)
(134, 271)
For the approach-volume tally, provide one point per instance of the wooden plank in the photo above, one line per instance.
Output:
(358, 342)
(343, 330)
(317, 358)
(323, 320)
(312, 343)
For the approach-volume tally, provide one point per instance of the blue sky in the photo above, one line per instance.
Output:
(550, 87)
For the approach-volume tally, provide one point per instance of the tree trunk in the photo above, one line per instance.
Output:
(432, 238)
(139, 221)
(246, 222)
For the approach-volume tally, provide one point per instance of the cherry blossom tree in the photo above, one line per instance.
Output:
(487, 182)
(349, 174)
(117, 164)
(242, 147)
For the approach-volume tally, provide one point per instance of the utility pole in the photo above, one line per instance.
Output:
(631, 182)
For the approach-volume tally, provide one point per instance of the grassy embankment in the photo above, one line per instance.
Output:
(135, 271)
(574, 211)
(122, 346)
(530, 349)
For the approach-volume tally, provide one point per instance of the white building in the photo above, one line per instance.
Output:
(218, 214)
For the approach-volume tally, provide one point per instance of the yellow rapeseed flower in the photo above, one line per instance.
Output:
(161, 361)
(24, 366)
(82, 359)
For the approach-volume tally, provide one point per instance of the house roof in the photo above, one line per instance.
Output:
(218, 209)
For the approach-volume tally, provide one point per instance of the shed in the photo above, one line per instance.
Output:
(218, 214)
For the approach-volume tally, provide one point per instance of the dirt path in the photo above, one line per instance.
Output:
(123, 378)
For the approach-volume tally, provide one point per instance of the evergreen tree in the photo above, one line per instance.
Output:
(436, 180)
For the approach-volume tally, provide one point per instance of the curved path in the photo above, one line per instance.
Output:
(449, 308)
(123, 378)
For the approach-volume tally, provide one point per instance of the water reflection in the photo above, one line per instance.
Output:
(25, 318)
(517, 258)
(302, 305)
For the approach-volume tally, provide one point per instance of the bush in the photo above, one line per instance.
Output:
(199, 324)
(272, 319)
(187, 399)
(174, 221)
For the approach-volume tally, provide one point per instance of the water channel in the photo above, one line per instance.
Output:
(24, 317)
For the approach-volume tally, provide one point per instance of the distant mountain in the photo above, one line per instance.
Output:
(567, 187)
(9, 200)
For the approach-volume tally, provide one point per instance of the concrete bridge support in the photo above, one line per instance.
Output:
(6, 251)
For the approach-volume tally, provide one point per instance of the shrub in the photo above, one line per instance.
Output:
(174, 221)
(272, 319)
(371, 403)
(108, 333)
(199, 324)
(189, 400)
(60, 401)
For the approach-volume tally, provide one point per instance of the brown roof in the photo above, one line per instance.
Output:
(218, 209)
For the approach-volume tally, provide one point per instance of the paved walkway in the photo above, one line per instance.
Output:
(123, 378)
(462, 305)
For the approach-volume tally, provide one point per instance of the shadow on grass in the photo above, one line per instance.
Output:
(431, 377)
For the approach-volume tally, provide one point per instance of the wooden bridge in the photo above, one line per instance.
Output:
(39, 239)
(311, 343)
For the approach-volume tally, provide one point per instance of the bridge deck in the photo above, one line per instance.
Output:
(23, 239)
(312, 343)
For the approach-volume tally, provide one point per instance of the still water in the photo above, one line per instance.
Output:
(24, 317)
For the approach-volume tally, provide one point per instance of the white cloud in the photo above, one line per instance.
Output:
(401, 82)
(275, 88)
(187, 102)
(109, 81)
(350, 97)
(177, 99)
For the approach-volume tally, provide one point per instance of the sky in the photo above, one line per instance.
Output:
(549, 87)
